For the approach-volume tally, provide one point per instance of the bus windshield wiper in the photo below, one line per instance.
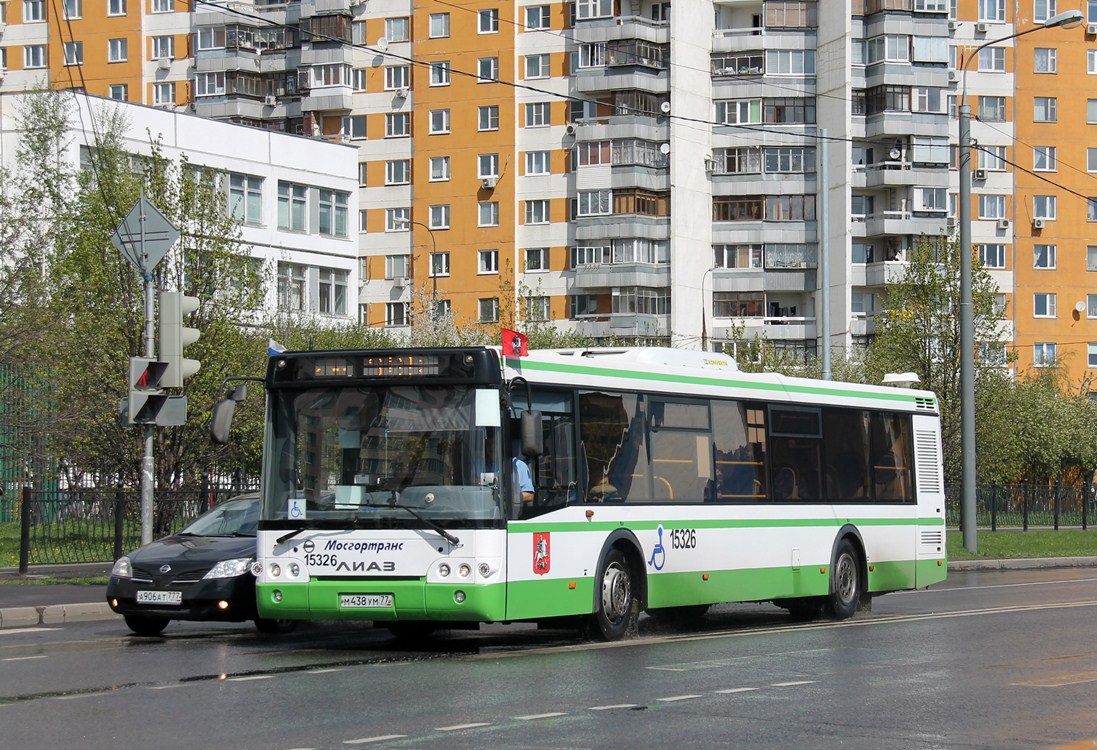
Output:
(289, 535)
(394, 502)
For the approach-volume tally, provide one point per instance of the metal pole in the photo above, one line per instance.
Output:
(147, 467)
(824, 254)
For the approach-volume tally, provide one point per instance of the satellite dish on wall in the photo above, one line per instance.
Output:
(665, 108)
(383, 44)
(664, 148)
(1080, 306)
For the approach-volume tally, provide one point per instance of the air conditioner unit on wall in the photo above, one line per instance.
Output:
(981, 27)
(569, 130)
(1037, 223)
(980, 174)
(1091, 28)
(401, 281)
(488, 183)
(1003, 223)
(270, 100)
(953, 75)
(952, 24)
(163, 63)
(401, 93)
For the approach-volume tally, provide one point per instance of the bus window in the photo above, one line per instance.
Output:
(681, 453)
(739, 447)
(795, 444)
(846, 447)
(612, 447)
(892, 457)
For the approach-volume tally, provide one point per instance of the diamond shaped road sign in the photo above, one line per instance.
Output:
(144, 236)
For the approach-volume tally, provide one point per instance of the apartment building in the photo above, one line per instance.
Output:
(631, 168)
(294, 210)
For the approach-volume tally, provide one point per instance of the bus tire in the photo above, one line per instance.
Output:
(146, 625)
(617, 608)
(845, 582)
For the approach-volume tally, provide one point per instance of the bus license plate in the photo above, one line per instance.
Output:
(159, 597)
(365, 601)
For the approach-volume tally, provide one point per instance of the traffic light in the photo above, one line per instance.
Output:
(146, 398)
(174, 337)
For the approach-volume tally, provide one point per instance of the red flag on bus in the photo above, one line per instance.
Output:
(515, 344)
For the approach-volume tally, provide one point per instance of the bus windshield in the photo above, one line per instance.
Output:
(366, 455)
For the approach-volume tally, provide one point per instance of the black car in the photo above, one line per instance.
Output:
(201, 573)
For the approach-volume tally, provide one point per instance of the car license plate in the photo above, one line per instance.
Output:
(365, 601)
(159, 597)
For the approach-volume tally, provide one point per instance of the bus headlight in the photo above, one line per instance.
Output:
(459, 596)
(443, 570)
(485, 570)
(294, 569)
(275, 570)
(464, 570)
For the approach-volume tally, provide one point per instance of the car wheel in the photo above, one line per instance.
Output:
(264, 625)
(146, 625)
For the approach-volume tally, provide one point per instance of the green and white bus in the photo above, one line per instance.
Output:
(664, 481)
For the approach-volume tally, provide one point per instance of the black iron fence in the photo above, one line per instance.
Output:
(1026, 506)
(96, 525)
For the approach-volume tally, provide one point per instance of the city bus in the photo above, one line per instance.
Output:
(664, 481)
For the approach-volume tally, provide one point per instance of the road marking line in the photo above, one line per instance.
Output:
(16, 631)
(1062, 681)
(534, 717)
(324, 671)
(793, 683)
(382, 738)
(252, 677)
(610, 708)
(737, 690)
(673, 698)
(25, 658)
(459, 727)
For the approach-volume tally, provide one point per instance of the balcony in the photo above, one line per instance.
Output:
(599, 276)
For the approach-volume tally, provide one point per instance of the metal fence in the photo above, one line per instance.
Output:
(96, 525)
(1026, 506)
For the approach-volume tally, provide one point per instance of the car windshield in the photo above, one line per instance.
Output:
(236, 517)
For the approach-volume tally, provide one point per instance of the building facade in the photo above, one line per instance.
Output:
(689, 173)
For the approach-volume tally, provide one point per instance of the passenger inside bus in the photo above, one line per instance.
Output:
(786, 484)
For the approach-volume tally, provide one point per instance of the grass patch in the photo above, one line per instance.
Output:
(1001, 545)
(51, 580)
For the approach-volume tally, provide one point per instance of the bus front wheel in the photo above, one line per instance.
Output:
(617, 611)
(845, 582)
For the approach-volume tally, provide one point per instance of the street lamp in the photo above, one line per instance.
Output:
(704, 312)
(1067, 19)
(430, 261)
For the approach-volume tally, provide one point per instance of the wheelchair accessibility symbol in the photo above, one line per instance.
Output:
(297, 507)
(659, 552)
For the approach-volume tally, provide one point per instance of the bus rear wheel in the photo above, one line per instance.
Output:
(618, 609)
(845, 582)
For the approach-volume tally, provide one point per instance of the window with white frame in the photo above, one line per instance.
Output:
(1091, 111)
(537, 211)
(117, 50)
(398, 219)
(161, 47)
(487, 69)
(1044, 109)
(537, 162)
(246, 198)
(1091, 355)
(992, 207)
(397, 77)
(439, 264)
(992, 60)
(489, 21)
(438, 216)
(588, 9)
(1043, 257)
(1045, 60)
(487, 165)
(354, 127)
(163, 6)
(929, 99)
(537, 66)
(930, 49)
(397, 266)
(116, 7)
(396, 314)
(397, 124)
(1042, 10)
(72, 9)
(34, 56)
(739, 111)
(1091, 209)
(1044, 354)
(118, 91)
(439, 168)
(34, 10)
(594, 203)
(332, 292)
(1091, 306)
(999, 306)
(536, 259)
(992, 10)
(1043, 305)
(1091, 61)
(592, 55)
(291, 287)
(332, 219)
(887, 48)
(163, 93)
(992, 157)
(744, 256)
(363, 226)
(537, 308)
(487, 261)
(292, 207)
(790, 62)
(398, 172)
(1043, 158)
(487, 214)
(440, 73)
(537, 17)
(439, 121)
(992, 353)
(992, 255)
(363, 173)
(537, 114)
(1043, 207)
(398, 29)
(74, 53)
(1091, 258)
(1091, 159)
(439, 25)
(930, 200)
(992, 108)
(489, 310)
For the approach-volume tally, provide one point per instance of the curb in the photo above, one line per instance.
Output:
(55, 614)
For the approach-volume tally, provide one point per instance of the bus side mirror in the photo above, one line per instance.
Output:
(533, 441)
(221, 421)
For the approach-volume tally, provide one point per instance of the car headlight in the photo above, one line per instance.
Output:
(229, 568)
(123, 568)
